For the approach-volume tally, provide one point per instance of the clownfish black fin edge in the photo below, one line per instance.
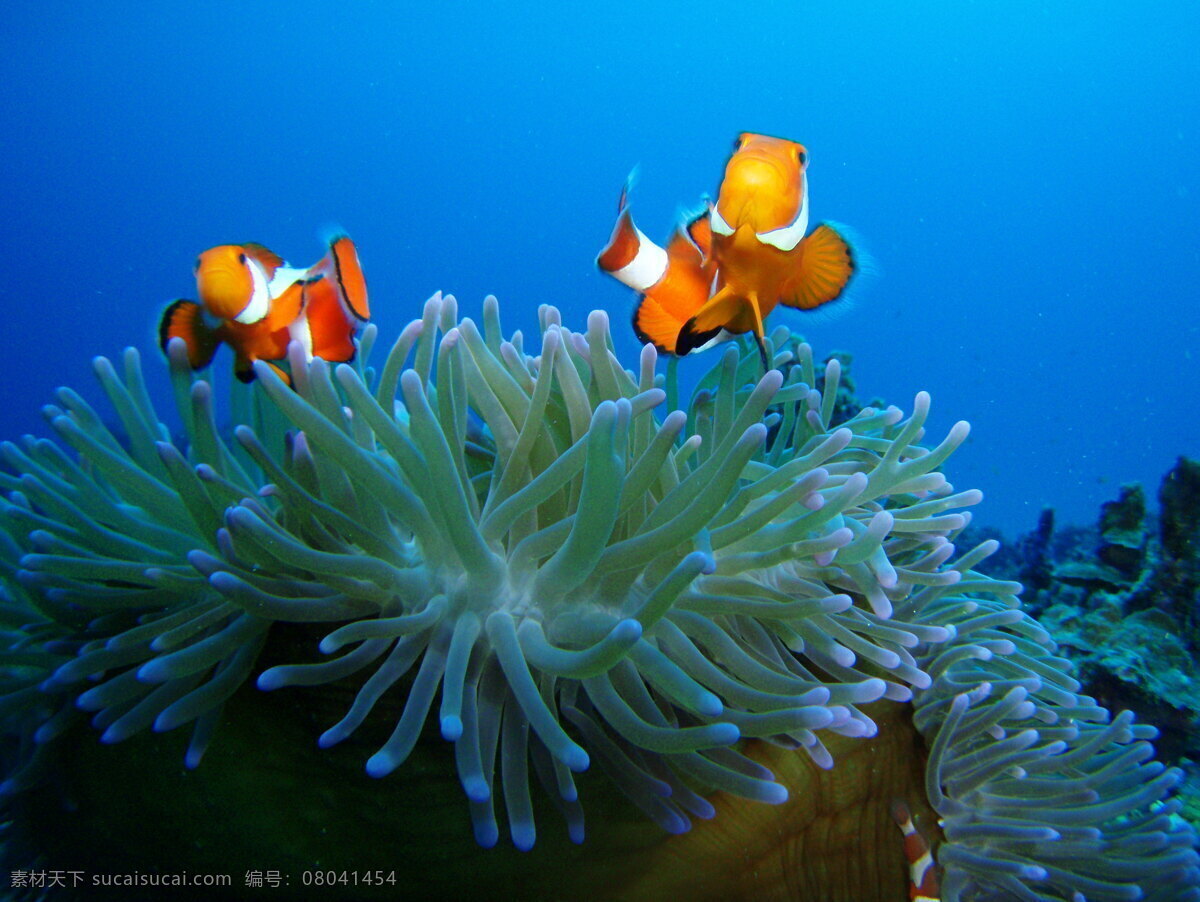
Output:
(643, 336)
(184, 319)
(689, 339)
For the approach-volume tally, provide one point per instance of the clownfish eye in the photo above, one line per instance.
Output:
(241, 258)
(196, 265)
(802, 157)
(737, 143)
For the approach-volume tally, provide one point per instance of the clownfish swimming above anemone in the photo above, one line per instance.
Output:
(724, 270)
(253, 301)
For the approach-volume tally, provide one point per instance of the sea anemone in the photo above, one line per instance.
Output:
(575, 581)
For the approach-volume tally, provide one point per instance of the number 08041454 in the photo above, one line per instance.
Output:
(348, 878)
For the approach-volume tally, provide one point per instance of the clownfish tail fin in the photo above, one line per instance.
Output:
(184, 319)
(331, 232)
(348, 275)
(627, 188)
(342, 268)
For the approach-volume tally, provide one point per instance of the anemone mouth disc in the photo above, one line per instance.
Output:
(573, 581)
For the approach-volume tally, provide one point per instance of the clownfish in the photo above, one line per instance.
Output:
(251, 300)
(922, 873)
(725, 269)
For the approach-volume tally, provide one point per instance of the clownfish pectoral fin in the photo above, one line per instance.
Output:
(724, 310)
(324, 327)
(922, 872)
(825, 264)
(243, 368)
(184, 319)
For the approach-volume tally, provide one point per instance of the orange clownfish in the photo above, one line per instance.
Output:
(253, 301)
(727, 268)
(922, 872)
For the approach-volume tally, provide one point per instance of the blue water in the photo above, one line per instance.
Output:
(1024, 174)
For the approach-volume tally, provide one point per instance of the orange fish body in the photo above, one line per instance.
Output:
(250, 299)
(733, 264)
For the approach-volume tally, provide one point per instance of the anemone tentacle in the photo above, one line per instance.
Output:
(571, 579)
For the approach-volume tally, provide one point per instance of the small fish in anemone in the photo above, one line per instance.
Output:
(749, 621)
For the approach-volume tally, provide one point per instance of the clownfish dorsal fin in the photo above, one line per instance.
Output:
(267, 258)
(286, 279)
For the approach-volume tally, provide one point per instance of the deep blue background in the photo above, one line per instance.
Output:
(1025, 175)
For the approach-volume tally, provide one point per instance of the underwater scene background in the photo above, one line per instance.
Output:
(1022, 175)
(1020, 179)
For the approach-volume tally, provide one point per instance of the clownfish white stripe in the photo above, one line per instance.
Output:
(647, 267)
(301, 332)
(285, 277)
(717, 222)
(918, 868)
(920, 858)
(260, 296)
(789, 236)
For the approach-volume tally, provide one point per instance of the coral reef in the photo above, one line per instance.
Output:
(1122, 599)
(680, 601)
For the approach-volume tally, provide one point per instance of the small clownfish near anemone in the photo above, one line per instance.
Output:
(251, 300)
(726, 269)
(922, 872)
